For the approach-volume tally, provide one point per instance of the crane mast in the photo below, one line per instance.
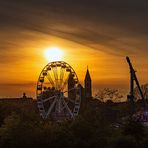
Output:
(133, 78)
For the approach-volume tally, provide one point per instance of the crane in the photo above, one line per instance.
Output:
(133, 78)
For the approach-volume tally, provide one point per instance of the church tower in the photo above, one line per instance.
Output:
(87, 83)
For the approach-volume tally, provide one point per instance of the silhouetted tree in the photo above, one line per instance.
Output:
(109, 94)
(144, 89)
(21, 126)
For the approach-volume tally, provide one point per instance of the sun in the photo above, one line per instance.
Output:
(53, 54)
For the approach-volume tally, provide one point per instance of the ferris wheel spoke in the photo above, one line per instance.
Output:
(50, 79)
(72, 101)
(55, 72)
(50, 98)
(69, 100)
(51, 106)
(65, 83)
(68, 109)
(69, 90)
(62, 72)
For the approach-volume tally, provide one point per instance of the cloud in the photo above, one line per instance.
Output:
(92, 23)
(115, 27)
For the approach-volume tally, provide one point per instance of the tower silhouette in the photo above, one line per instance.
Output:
(87, 83)
(71, 84)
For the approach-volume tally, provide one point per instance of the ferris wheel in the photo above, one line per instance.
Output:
(58, 92)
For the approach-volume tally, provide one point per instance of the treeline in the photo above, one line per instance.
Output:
(95, 127)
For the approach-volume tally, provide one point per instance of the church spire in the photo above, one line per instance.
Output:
(88, 87)
(87, 76)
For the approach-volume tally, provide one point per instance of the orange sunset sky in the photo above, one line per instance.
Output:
(94, 33)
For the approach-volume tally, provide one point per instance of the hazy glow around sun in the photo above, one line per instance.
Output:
(53, 54)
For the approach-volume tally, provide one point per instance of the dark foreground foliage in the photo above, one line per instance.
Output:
(98, 126)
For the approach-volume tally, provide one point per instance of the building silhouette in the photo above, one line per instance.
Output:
(86, 91)
(71, 85)
(87, 85)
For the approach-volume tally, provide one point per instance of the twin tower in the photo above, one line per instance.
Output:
(86, 91)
